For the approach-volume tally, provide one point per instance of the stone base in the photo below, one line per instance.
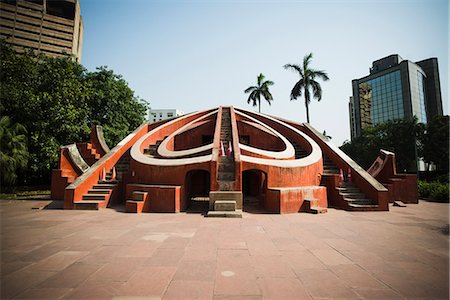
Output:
(225, 214)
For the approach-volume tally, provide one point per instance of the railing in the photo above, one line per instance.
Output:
(216, 151)
(236, 150)
(365, 182)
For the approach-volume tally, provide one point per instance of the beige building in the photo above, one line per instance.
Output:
(49, 27)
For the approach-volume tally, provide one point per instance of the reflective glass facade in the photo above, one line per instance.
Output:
(381, 99)
(418, 99)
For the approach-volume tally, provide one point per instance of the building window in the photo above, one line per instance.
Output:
(381, 99)
(160, 115)
(169, 115)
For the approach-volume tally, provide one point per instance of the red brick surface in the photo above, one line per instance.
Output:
(107, 254)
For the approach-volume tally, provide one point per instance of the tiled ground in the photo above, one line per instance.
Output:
(56, 254)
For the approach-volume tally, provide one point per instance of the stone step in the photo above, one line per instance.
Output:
(99, 191)
(226, 167)
(139, 195)
(352, 195)
(225, 205)
(224, 214)
(97, 197)
(361, 201)
(200, 199)
(363, 207)
(348, 190)
(226, 176)
(86, 205)
(108, 181)
(317, 210)
(104, 186)
(226, 185)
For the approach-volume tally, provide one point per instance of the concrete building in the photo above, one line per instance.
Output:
(224, 160)
(156, 115)
(395, 89)
(49, 27)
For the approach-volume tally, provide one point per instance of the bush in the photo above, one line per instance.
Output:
(434, 191)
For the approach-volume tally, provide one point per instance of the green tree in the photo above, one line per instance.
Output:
(436, 143)
(13, 150)
(113, 105)
(261, 89)
(400, 136)
(307, 82)
(58, 100)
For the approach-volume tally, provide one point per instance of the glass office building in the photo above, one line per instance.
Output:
(395, 89)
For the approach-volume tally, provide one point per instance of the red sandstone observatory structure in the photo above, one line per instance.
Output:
(224, 157)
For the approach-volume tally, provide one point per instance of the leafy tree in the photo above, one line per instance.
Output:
(113, 105)
(402, 137)
(261, 89)
(436, 143)
(13, 150)
(58, 100)
(307, 82)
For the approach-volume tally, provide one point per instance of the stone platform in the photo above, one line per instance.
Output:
(109, 254)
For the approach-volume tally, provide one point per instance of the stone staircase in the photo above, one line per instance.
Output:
(100, 194)
(329, 168)
(312, 206)
(152, 149)
(299, 151)
(88, 153)
(354, 199)
(224, 200)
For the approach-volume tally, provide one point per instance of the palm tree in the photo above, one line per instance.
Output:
(13, 150)
(261, 89)
(307, 82)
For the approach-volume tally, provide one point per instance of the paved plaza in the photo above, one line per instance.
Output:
(109, 254)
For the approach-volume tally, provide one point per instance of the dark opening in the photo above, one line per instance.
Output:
(254, 186)
(207, 139)
(197, 190)
(61, 9)
(40, 2)
(244, 139)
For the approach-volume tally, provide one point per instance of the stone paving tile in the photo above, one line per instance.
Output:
(331, 257)
(356, 277)
(165, 258)
(193, 270)
(288, 244)
(282, 288)
(200, 253)
(325, 284)
(71, 276)
(58, 261)
(107, 254)
(17, 282)
(271, 266)
(384, 294)
(300, 260)
(120, 269)
(238, 282)
(12, 266)
(101, 255)
(43, 252)
(96, 291)
(44, 293)
(185, 289)
(239, 297)
(148, 281)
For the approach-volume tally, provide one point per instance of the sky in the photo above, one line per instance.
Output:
(195, 55)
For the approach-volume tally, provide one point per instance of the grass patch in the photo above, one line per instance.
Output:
(24, 194)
